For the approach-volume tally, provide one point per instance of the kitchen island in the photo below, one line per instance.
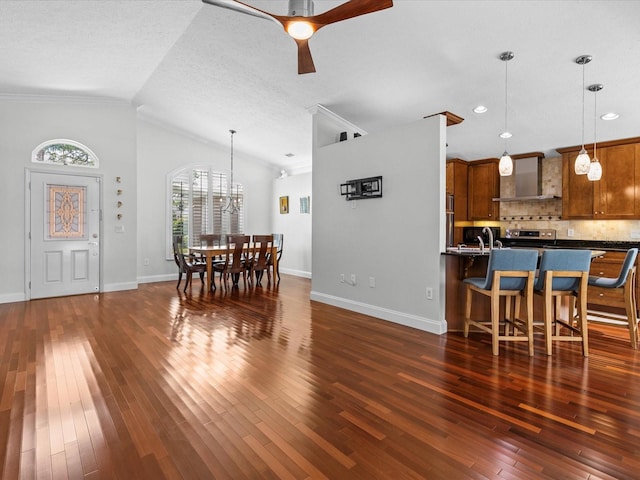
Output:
(472, 262)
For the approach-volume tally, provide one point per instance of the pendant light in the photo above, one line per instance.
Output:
(505, 167)
(232, 205)
(581, 167)
(595, 167)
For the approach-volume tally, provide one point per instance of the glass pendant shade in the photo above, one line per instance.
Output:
(583, 162)
(595, 170)
(505, 167)
(595, 167)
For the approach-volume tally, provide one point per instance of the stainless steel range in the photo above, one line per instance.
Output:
(529, 238)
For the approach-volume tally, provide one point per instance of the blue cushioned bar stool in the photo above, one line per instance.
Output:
(620, 292)
(510, 274)
(564, 273)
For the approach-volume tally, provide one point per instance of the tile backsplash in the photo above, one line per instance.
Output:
(542, 214)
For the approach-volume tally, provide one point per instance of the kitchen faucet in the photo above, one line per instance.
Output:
(481, 243)
(490, 232)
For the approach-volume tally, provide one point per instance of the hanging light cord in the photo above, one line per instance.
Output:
(583, 105)
(506, 102)
(595, 121)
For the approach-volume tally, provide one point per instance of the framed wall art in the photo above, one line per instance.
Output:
(284, 204)
(305, 204)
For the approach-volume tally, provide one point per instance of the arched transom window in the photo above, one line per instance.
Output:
(64, 152)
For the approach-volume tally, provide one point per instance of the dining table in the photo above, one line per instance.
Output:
(212, 251)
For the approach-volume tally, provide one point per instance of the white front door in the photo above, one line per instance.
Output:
(65, 234)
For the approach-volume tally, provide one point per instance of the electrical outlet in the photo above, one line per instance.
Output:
(429, 293)
(570, 232)
(342, 278)
(145, 262)
(353, 279)
(372, 282)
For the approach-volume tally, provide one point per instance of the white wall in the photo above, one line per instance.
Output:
(161, 151)
(296, 226)
(108, 129)
(397, 239)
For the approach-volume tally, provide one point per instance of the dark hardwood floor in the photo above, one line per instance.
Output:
(263, 383)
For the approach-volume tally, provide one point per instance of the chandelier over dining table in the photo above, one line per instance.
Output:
(232, 202)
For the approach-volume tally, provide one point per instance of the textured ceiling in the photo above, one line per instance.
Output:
(204, 69)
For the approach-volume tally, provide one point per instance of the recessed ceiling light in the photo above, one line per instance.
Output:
(610, 116)
(505, 135)
(480, 109)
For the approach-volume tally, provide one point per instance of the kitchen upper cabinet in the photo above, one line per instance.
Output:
(457, 185)
(484, 186)
(577, 190)
(615, 196)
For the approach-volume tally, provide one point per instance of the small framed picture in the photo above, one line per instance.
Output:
(305, 203)
(284, 204)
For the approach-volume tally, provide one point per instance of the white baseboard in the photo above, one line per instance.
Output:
(166, 277)
(297, 273)
(12, 297)
(402, 318)
(118, 287)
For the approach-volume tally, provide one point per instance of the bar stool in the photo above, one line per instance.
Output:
(620, 291)
(510, 274)
(564, 273)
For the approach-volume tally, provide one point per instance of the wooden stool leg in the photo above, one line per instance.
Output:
(582, 319)
(630, 307)
(467, 312)
(548, 320)
(529, 320)
(495, 323)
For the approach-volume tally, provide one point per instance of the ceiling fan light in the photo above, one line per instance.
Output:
(583, 163)
(505, 167)
(300, 29)
(595, 170)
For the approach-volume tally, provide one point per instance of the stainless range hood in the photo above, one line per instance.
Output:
(528, 178)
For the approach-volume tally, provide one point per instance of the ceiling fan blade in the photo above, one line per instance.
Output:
(305, 61)
(347, 10)
(243, 8)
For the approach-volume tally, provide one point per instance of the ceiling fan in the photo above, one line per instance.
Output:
(301, 23)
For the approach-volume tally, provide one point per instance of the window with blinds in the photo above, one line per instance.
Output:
(198, 196)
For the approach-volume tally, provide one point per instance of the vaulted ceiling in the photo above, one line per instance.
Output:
(204, 70)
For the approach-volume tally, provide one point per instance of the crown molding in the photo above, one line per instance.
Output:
(74, 99)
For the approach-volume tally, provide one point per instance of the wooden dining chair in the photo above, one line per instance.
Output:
(564, 273)
(262, 246)
(187, 264)
(236, 260)
(278, 241)
(510, 274)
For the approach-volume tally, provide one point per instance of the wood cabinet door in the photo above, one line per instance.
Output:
(615, 193)
(484, 186)
(577, 191)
